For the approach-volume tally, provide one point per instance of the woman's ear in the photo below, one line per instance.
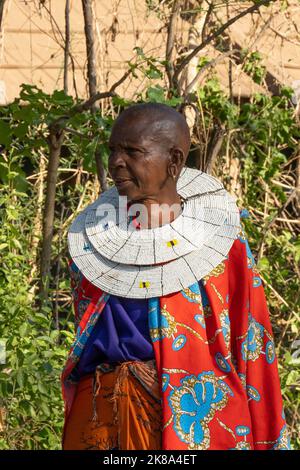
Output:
(176, 161)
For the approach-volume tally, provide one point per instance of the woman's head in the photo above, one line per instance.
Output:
(149, 144)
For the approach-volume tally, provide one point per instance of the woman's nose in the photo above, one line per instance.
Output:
(116, 159)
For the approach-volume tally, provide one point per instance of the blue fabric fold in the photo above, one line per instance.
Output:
(120, 334)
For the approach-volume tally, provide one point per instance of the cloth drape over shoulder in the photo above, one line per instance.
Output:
(215, 358)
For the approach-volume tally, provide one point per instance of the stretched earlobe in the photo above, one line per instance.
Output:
(172, 172)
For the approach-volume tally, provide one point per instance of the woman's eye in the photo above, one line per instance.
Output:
(131, 151)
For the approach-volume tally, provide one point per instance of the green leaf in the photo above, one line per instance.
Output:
(263, 263)
(59, 97)
(12, 213)
(293, 377)
(139, 51)
(23, 330)
(27, 114)
(5, 133)
(32, 93)
(156, 94)
(42, 388)
(20, 183)
(16, 243)
(21, 130)
(20, 378)
(32, 411)
(45, 408)
(174, 101)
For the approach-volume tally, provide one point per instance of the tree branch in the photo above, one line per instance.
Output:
(209, 64)
(90, 46)
(92, 80)
(61, 44)
(214, 35)
(55, 141)
(1, 11)
(214, 147)
(170, 43)
(207, 17)
(86, 105)
(67, 45)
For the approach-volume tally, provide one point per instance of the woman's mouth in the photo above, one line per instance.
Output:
(120, 183)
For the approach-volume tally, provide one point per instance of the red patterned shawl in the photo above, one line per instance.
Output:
(215, 356)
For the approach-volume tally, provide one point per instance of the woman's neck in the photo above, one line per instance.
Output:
(154, 211)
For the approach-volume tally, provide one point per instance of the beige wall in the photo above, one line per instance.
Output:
(31, 45)
(31, 49)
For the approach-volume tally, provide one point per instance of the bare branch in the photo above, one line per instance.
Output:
(90, 47)
(170, 42)
(86, 105)
(55, 140)
(120, 81)
(79, 108)
(207, 17)
(209, 64)
(61, 44)
(1, 11)
(214, 35)
(77, 133)
(67, 45)
(214, 147)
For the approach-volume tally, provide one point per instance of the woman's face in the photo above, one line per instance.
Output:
(137, 163)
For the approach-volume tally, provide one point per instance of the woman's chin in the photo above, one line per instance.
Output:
(126, 191)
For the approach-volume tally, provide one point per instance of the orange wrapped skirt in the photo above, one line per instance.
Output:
(118, 407)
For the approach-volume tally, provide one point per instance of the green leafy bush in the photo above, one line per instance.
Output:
(261, 136)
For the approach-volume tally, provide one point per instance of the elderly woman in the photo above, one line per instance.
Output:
(174, 347)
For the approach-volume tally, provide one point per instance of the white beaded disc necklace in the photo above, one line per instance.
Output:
(157, 261)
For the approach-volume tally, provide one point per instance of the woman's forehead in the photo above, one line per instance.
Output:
(133, 134)
(129, 138)
(143, 130)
